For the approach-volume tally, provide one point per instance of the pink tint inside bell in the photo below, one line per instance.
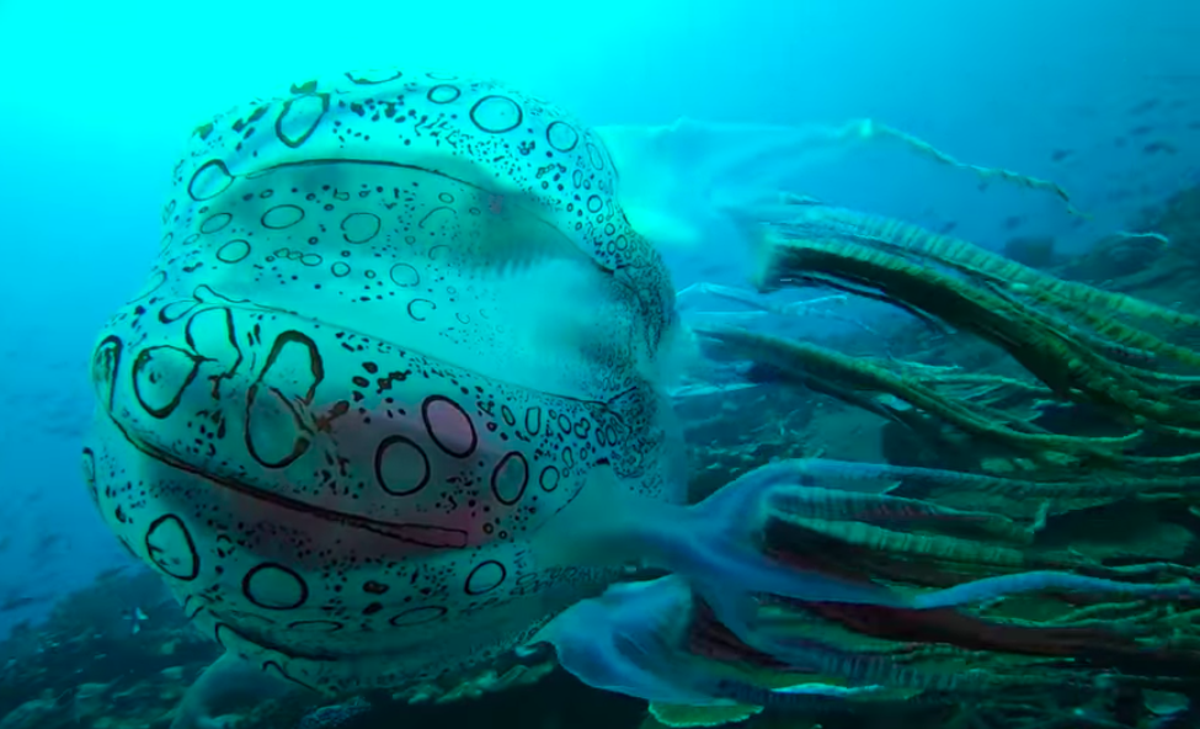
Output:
(495, 204)
(451, 427)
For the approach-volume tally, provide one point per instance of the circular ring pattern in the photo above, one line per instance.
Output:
(316, 626)
(161, 373)
(282, 216)
(449, 426)
(374, 77)
(443, 94)
(170, 547)
(401, 467)
(497, 114)
(549, 478)
(595, 156)
(209, 180)
(417, 616)
(235, 251)
(403, 274)
(216, 222)
(562, 136)
(360, 227)
(272, 586)
(510, 477)
(486, 576)
(419, 309)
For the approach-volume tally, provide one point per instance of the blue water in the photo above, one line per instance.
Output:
(97, 98)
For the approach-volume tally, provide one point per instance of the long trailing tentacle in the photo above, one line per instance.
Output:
(746, 620)
(978, 483)
(625, 641)
(814, 698)
(817, 503)
(718, 543)
(1007, 585)
(794, 504)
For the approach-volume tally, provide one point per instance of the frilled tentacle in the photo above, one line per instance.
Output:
(1102, 645)
(790, 613)
(991, 588)
(976, 483)
(630, 640)
(819, 504)
(719, 544)
(814, 698)
(786, 490)
(831, 224)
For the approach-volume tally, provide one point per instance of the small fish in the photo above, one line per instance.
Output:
(761, 373)
(16, 602)
(49, 541)
(947, 227)
(336, 715)
(1013, 222)
(1194, 124)
(1059, 155)
(1145, 106)
(1141, 130)
(135, 617)
(1120, 142)
(111, 572)
(1160, 146)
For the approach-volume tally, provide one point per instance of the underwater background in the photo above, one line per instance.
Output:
(1063, 135)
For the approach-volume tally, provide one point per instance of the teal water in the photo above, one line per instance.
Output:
(1103, 98)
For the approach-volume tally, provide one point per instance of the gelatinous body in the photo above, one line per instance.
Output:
(354, 388)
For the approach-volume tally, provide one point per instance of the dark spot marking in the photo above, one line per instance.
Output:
(417, 616)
